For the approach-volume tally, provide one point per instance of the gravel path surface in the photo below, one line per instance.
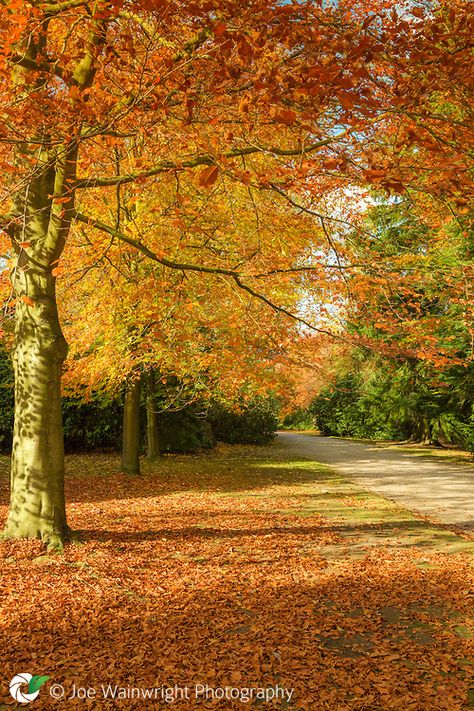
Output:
(441, 490)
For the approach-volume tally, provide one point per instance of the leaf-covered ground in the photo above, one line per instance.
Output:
(240, 569)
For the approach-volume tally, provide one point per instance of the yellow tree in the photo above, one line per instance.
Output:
(279, 96)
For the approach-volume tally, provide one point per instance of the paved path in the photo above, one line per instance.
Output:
(441, 490)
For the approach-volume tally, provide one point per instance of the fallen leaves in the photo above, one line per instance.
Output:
(211, 570)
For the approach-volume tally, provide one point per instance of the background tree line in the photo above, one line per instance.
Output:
(414, 288)
(382, 399)
(97, 423)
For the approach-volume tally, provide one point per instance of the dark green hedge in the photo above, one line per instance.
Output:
(184, 431)
(92, 426)
(254, 422)
(88, 426)
(97, 424)
(6, 402)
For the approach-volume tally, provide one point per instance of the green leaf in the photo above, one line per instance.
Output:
(36, 682)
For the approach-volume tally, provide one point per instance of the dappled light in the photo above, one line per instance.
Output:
(37, 493)
(246, 568)
(217, 219)
(438, 488)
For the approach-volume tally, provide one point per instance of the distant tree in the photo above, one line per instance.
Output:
(300, 99)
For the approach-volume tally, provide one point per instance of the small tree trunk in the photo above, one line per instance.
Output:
(153, 442)
(37, 506)
(422, 431)
(131, 429)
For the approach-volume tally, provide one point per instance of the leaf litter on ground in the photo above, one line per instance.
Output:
(240, 568)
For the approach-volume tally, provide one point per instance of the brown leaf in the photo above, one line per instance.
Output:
(208, 176)
(287, 116)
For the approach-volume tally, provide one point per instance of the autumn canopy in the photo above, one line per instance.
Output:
(177, 164)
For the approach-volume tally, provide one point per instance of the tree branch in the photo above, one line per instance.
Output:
(28, 63)
(54, 8)
(236, 276)
(147, 251)
(319, 215)
(282, 310)
(204, 159)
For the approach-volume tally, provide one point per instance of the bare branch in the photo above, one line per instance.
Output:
(319, 215)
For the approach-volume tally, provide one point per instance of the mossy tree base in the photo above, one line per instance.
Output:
(55, 539)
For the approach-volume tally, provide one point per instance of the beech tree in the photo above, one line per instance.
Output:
(300, 99)
(137, 317)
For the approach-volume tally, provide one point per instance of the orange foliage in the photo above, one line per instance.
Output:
(294, 101)
(209, 574)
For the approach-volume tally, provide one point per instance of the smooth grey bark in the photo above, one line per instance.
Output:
(131, 429)
(153, 441)
(38, 225)
(37, 503)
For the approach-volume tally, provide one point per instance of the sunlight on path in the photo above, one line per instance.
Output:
(441, 490)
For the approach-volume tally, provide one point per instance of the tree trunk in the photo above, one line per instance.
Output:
(131, 429)
(153, 442)
(42, 211)
(37, 505)
(422, 431)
